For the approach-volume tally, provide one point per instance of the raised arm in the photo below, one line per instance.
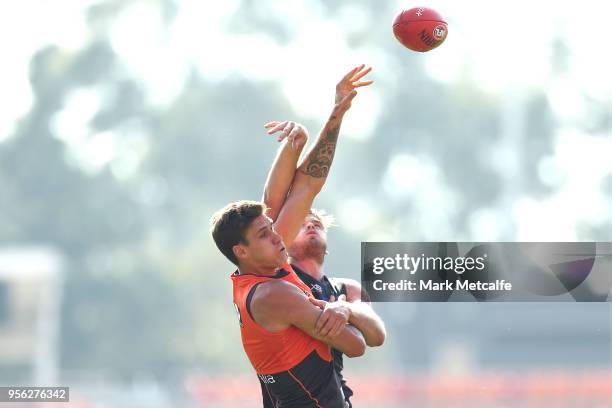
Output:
(315, 166)
(312, 171)
(293, 137)
(277, 305)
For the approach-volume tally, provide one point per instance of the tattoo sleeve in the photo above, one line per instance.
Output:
(320, 157)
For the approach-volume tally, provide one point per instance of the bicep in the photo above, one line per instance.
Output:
(283, 304)
(280, 304)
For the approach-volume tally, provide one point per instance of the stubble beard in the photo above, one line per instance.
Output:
(311, 249)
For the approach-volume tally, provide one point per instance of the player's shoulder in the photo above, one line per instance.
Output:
(276, 291)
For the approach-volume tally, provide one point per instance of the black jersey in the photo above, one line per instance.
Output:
(310, 384)
(324, 289)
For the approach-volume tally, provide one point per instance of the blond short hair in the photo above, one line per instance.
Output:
(328, 220)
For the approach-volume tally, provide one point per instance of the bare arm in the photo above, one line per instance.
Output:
(277, 305)
(362, 316)
(293, 138)
(368, 322)
(359, 314)
(315, 166)
(312, 171)
(308, 180)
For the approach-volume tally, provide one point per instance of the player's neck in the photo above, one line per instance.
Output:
(311, 266)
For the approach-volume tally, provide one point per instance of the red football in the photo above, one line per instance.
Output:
(420, 29)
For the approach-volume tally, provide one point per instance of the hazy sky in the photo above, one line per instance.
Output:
(500, 43)
(503, 47)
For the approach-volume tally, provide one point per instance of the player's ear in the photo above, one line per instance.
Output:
(240, 251)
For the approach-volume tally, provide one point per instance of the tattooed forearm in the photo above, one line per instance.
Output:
(320, 157)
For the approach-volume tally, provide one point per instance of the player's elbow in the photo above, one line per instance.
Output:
(377, 339)
(274, 202)
(356, 350)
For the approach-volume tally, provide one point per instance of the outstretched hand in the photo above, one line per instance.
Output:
(294, 132)
(346, 88)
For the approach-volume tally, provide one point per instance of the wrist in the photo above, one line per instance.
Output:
(337, 114)
(349, 309)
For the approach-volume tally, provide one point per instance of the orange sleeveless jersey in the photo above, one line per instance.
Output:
(273, 352)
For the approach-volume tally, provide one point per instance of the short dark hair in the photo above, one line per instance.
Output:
(229, 224)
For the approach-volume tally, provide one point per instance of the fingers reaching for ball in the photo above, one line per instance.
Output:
(360, 72)
(351, 81)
